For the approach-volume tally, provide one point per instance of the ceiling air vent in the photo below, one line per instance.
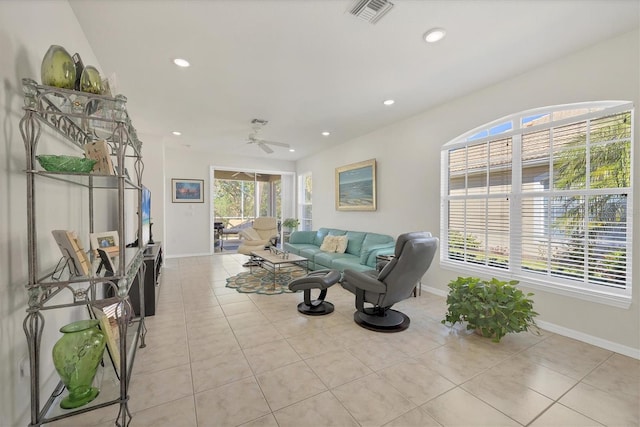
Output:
(371, 10)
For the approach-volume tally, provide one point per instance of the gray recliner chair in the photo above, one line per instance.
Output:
(391, 283)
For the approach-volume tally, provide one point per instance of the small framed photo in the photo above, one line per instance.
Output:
(108, 241)
(187, 190)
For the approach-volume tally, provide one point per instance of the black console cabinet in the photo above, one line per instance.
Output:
(153, 264)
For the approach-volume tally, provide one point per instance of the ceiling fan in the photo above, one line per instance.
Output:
(257, 125)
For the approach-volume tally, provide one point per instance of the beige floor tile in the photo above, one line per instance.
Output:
(231, 404)
(298, 325)
(567, 356)
(232, 298)
(459, 361)
(459, 408)
(269, 356)
(375, 354)
(264, 421)
(179, 412)
(313, 344)
(212, 345)
(290, 384)
(508, 396)
(318, 411)
(217, 371)
(618, 374)
(337, 368)
(257, 335)
(207, 328)
(416, 382)
(155, 388)
(194, 317)
(246, 320)
(561, 416)
(544, 380)
(609, 409)
(372, 401)
(414, 418)
(157, 357)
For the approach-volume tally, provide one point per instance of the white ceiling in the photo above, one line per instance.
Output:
(309, 66)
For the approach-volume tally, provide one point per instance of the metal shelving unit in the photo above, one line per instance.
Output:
(79, 118)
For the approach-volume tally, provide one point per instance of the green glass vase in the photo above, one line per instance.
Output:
(57, 68)
(90, 80)
(76, 357)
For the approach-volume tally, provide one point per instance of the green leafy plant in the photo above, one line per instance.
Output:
(291, 223)
(491, 307)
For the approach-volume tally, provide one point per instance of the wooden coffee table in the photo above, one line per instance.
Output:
(272, 263)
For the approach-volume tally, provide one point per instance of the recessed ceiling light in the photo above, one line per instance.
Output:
(325, 133)
(176, 133)
(389, 102)
(181, 62)
(291, 150)
(434, 35)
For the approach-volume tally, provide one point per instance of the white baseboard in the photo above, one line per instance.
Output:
(188, 255)
(569, 333)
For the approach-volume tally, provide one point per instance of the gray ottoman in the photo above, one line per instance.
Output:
(320, 279)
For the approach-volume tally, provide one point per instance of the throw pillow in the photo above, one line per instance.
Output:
(328, 244)
(341, 244)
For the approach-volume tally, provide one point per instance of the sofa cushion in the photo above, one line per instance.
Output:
(341, 244)
(355, 242)
(310, 252)
(319, 237)
(350, 262)
(297, 247)
(328, 244)
(326, 259)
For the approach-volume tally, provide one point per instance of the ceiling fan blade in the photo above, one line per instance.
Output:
(264, 147)
(279, 144)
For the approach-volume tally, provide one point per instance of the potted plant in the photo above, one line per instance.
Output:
(291, 223)
(492, 308)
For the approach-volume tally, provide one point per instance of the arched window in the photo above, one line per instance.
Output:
(544, 197)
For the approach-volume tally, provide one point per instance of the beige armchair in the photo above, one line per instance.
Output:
(263, 231)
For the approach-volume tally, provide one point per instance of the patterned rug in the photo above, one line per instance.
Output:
(261, 281)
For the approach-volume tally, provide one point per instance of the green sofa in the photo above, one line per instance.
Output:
(360, 255)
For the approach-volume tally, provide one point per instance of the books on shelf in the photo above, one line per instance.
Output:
(99, 151)
(73, 252)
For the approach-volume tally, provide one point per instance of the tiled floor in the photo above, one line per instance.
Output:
(219, 358)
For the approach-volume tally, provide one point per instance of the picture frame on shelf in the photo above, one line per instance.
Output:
(108, 241)
(73, 251)
(356, 186)
(105, 311)
(187, 190)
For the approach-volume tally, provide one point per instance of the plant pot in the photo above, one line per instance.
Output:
(76, 357)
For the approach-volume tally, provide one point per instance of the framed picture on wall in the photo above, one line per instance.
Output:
(356, 186)
(187, 190)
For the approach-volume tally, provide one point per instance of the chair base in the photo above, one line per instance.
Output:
(391, 321)
(317, 308)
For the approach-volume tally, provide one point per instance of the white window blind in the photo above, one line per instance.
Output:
(547, 200)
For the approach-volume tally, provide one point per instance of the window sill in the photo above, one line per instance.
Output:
(600, 297)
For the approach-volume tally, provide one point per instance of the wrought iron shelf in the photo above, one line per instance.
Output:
(78, 118)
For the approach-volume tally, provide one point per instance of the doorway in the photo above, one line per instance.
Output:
(241, 195)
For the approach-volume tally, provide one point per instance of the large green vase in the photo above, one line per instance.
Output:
(58, 69)
(76, 357)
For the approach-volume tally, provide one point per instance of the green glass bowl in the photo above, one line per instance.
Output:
(54, 163)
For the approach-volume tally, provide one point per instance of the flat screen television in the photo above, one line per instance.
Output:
(145, 211)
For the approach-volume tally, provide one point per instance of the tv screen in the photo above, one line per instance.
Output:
(145, 210)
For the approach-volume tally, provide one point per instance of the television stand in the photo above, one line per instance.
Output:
(153, 258)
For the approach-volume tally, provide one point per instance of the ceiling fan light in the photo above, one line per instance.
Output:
(389, 102)
(291, 150)
(326, 133)
(176, 133)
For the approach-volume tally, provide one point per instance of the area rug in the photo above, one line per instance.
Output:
(261, 281)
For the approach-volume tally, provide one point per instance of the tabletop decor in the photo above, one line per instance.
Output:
(76, 357)
(356, 186)
(57, 68)
(54, 163)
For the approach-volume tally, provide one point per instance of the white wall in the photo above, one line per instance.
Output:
(408, 161)
(27, 29)
(188, 226)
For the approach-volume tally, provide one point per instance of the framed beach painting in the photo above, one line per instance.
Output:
(187, 190)
(356, 186)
